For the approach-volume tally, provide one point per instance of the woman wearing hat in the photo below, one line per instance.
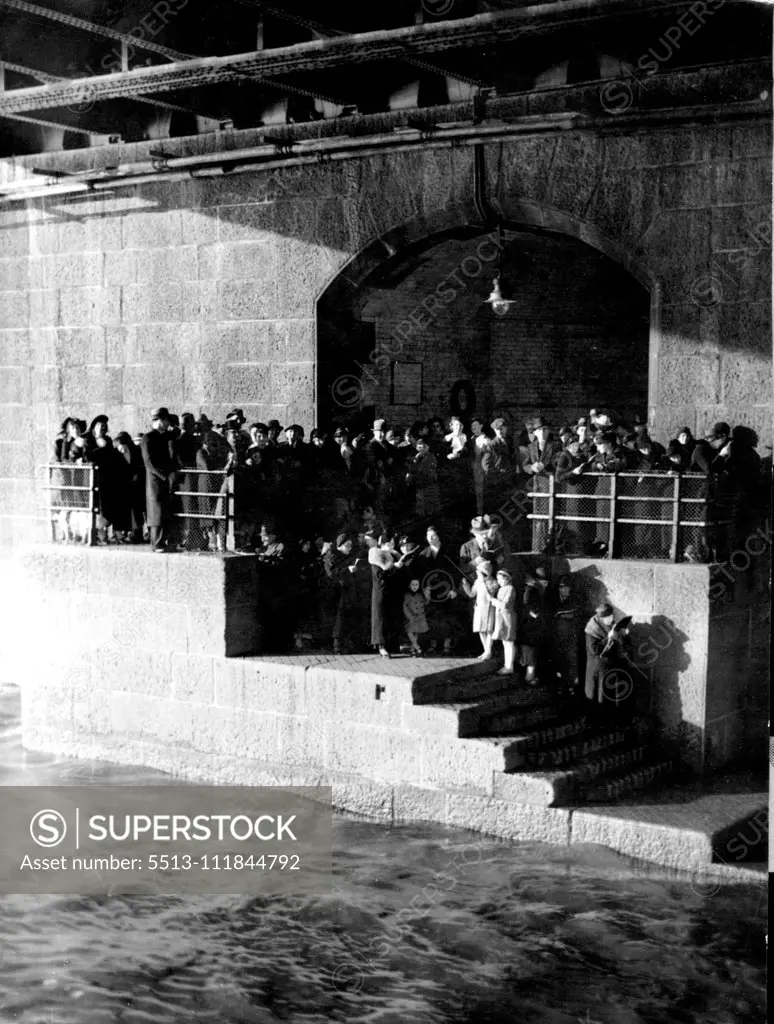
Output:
(605, 640)
(565, 636)
(339, 564)
(132, 455)
(533, 628)
(481, 589)
(385, 608)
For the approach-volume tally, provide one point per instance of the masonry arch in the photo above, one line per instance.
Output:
(580, 300)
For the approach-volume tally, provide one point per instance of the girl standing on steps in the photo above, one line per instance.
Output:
(414, 617)
(482, 588)
(504, 604)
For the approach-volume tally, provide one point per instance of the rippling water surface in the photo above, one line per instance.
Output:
(528, 933)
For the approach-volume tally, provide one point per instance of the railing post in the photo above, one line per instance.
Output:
(613, 514)
(91, 470)
(230, 536)
(53, 516)
(551, 508)
(675, 553)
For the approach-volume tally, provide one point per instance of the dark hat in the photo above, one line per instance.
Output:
(684, 430)
(719, 430)
(123, 438)
(539, 421)
(204, 420)
(162, 413)
(480, 524)
(565, 429)
(505, 572)
(297, 427)
(274, 425)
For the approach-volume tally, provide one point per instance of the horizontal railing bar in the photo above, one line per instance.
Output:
(217, 495)
(649, 522)
(199, 515)
(620, 497)
(65, 487)
(67, 508)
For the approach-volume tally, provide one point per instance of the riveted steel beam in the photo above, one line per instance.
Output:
(480, 30)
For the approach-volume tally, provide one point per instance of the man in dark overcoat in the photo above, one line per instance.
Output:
(543, 452)
(158, 453)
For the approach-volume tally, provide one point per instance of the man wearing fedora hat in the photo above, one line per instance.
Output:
(158, 454)
(542, 455)
(479, 544)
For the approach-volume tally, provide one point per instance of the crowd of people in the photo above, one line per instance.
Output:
(388, 538)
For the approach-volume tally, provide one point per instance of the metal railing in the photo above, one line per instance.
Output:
(635, 515)
(203, 506)
(205, 510)
(73, 504)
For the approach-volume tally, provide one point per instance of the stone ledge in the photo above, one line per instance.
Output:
(682, 850)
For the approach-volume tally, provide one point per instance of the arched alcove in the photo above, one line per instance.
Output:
(576, 334)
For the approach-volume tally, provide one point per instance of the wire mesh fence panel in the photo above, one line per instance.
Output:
(203, 509)
(697, 516)
(70, 501)
(635, 515)
(574, 530)
(650, 500)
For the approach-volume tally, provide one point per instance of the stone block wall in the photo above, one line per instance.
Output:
(202, 294)
(691, 646)
(138, 664)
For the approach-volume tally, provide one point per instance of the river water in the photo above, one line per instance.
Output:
(515, 933)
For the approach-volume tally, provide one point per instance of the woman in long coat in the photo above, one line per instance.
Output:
(533, 627)
(114, 482)
(604, 655)
(386, 593)
(132, 456)
(382, 562)
(339, 565)
(440, 577)
(481, 590)
(565, 636)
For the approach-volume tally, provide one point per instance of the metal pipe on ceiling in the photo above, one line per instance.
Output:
(321, 151)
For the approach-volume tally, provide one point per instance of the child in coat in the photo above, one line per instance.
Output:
(504, 604)
(482, 588)
(414, 616)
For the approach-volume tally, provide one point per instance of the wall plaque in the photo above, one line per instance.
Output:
(406, 384)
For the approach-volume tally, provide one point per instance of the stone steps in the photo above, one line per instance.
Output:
(584, 782)
(506, 713)
(624, 780)
(579, 745)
